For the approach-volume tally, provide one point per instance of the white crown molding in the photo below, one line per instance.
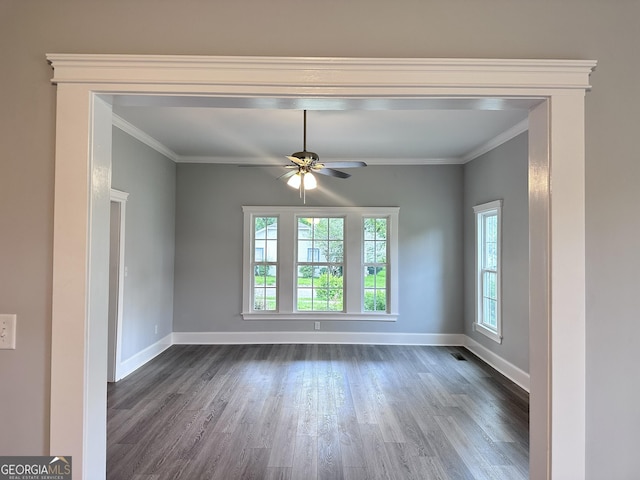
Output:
(248, 161)
(256, 161)
(150, 141)
(496, 141)
(145, 138)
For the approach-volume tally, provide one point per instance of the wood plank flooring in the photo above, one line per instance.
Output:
(316, 412)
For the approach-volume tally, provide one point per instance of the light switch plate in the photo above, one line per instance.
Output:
(7, 332)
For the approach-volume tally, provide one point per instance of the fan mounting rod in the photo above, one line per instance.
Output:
(304, 131)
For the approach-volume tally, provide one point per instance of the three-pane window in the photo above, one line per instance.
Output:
(325, 262)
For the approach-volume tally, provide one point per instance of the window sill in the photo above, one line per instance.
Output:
(487, 332)
(323, 316)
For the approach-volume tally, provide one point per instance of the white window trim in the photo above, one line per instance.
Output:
(353, 262)
(478, 325)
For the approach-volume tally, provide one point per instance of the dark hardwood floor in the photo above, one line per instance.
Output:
(316, 411)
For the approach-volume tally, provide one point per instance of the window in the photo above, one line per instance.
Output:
(319, 280)
(265, 266)
(375, 264)
(488, 233)
(318, 263)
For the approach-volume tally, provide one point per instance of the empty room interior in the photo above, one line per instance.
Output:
(186, 333)
(375, 326)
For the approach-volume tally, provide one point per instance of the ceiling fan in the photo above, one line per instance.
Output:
(304, 164)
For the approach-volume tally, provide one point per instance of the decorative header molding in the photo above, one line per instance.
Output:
(303, 75)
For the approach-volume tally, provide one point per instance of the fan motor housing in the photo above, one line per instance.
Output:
(308, 156)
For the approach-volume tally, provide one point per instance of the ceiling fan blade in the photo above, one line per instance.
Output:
(286, 176)
(296, 160)
(265, 165)
(332, 173)
(345, 164)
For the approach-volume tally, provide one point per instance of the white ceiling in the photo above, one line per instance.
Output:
(392, 131)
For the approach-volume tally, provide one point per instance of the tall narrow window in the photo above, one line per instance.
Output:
(488, 227)
(375, 264)
(265, 263)
(320, 264)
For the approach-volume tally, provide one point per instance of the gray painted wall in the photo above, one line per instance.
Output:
(150, 180)
(208, 278)
(502, 174)
(582, 29)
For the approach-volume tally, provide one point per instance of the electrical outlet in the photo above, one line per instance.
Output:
(156, 329)
(8, 332)
(316, 325)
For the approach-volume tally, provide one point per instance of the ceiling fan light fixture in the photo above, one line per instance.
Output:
(310, 181)
(307, 180)
(295, 181)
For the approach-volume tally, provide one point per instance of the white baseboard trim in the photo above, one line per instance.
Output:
(513, 373)
(134, 362)
(368, 338)
(509, 370)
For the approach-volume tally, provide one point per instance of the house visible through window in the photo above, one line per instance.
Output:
(488, 227)
(319, 279)
(375, 264)
(265, 265)
(320, 262)
(313, 254)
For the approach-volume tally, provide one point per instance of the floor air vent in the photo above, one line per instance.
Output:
(458, 356)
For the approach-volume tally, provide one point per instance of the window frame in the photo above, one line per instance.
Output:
(480, 213)
(353, 262)
(316, 264)
(264, 261)
(375, 264)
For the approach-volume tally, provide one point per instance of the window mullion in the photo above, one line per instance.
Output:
(287, 246)
(353, 263)
(248, 248)
(392, 264)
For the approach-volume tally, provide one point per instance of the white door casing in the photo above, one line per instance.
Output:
(86, 85)
(116, 282)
